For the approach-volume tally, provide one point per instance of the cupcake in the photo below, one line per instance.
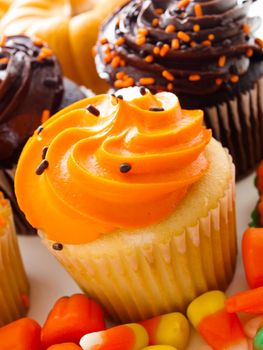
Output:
(14, 287)
(141, 208)
(205, 52)
(32, 88)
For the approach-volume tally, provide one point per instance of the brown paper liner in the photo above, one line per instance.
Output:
(238, 124)
(158, 277)
(14, 287)
(7, 187)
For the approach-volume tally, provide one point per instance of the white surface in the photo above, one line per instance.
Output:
(49, 281)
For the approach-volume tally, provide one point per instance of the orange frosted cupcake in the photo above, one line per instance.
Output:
(135, 199)
(14, 287)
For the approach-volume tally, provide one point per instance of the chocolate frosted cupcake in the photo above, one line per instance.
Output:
(31, 89)
(205, 52)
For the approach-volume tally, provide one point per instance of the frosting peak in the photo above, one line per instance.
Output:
(111, 162)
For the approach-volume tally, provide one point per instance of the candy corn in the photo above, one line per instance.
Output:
(221, 330)
(159, 347)
(126, 337)
(64, 346)
(258, 340)
(252, 249)
(70, 319)
(250, 301)
(252, 326)
(23, 334)
(170, 329)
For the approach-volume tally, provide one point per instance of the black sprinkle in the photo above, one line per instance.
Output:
(247, 37)
(51, 82)
(227, 87)
(156, 109)
(57, 246)
(93, 110)
(118, 32)
(159, 44)
(125, 168)
(120, 97)
(143, 53)
(44, 152)
(177, 11)
(42, 167)
(40, 129)
(143, 91)
(233, 70)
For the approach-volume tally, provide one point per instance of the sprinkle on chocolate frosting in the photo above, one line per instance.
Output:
(192, 43)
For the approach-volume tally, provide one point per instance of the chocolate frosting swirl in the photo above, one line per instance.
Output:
(193, 47)
(30, 83)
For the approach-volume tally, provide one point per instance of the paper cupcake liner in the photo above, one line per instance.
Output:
(238, 124)
(158, 278)
(7, 187)
(14, 287)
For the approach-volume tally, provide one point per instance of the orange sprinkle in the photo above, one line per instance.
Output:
(156, 50)
(211, 36)
(115, 62)
(221, 61)
(45, 115)
(128, 82)
(196, 28)
(234, 78)
(246, 28)
(170, 28)
(206, 43)
(155, 22)
(120, 75)
(107, 58)
(122, 63)
(106, 49)
(4, 60)
(183, 4)
(47, 51)
(37, 41)
(3, 40)
(170, 86)
(143, 31)
(140, 40)
(159, 11)
(2, 221)
(120, 41)
(259, 42)
(193, 44)
(198, 10)
(167, 75)
(147, 81)
(249, 52)
(148, 59)
(4, 202)
(183, 36)
(164, 50)
(118, 84)
(175, 44)
(219, 81)
(194, 77)
(103, 41)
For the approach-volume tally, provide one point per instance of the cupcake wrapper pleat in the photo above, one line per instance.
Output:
(7, 187)
(14, 287)
(238, 124)
(158, 278)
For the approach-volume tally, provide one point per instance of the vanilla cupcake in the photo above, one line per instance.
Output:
(141, 207)
(14, 288)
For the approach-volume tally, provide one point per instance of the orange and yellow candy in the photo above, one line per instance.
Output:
(221, 330)
(170, 329)
(125, 337)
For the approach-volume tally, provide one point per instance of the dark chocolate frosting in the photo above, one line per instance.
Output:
(30, 84)
(189, 47)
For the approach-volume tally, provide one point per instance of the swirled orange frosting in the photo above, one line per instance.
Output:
(81, 191)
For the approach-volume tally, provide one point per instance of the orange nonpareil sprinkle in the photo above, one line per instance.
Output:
(107, 58)
(149, 59)
(44, 53)
(45, 115)
(211, 36)
(175, 44)
(37, 41)
(206, 43)
(164, 50)
(155, 22)
(234, 78)
(183, 36)
(120, 41)
(147, 81)
(140, 40)
(170, 86)
(219, 81)
(194, 77)
(167, 75)
(156, 50)
(143, 31)
(183, 4)
(159, 11)
(103, 41)
(170, 28)
(196, 28)
(116, 61)
(122, 63)
(259, 42)
(3, 40)
(193, 44)
(120, 75)
(249, 52)
(4, 60)
(221, 61)
(198, 10)
(4, 202)
(246, 28)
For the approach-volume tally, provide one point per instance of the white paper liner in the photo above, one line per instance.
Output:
(238, 124)
(14, 287)
(158, 278)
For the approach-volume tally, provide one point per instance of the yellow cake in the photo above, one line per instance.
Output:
(141, 201)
